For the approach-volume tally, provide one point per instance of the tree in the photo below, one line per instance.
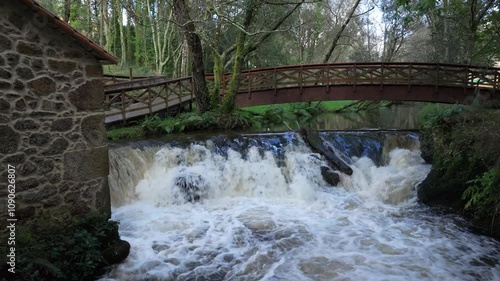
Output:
(196, 52)
(338, 35)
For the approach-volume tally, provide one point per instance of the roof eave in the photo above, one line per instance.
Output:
(66, 28)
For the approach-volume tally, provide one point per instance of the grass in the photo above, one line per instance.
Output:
(326, 105)
(126, 133)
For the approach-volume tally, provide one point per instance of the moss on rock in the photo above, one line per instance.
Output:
(462, 144)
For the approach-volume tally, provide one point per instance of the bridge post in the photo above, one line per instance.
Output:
(382, 77)
(437, 79)
(300, 80)
(409, 78)
(150, 106)
(355, 78)
(124, 115)
(275, 82)
(327, 78)
(191, 94)
(249, 85)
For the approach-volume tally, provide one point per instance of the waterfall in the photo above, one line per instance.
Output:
(256, 207)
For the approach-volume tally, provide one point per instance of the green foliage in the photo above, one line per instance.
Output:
(466, 157)
(483, 190)
(125, 133)
(65, 252)
(215, 120)
(440, 116)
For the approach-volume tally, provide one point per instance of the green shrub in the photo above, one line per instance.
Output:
(65, 252)
(484, 190)
(438, 115)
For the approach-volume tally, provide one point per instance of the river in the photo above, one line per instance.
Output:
(265, 212)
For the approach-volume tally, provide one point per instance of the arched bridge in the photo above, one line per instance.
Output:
(441, 83)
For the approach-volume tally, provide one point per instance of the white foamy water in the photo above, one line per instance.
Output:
(260, 218)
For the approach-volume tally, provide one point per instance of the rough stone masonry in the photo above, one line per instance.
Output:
(51, 120)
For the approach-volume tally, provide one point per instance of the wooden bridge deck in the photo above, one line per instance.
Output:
(444, 83)
(141, 97)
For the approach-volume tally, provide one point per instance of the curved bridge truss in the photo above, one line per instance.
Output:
(442, 83)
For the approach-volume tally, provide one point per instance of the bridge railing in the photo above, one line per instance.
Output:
(326, 75)
(146, 96)
(134, 98)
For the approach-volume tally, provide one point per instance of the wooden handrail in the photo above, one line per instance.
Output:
(303, 76)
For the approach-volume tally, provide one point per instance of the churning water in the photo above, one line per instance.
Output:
(265, 213)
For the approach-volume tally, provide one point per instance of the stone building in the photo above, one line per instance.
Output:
(51, 116)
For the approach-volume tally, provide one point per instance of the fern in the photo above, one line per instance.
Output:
(48, 267)
(483, 190)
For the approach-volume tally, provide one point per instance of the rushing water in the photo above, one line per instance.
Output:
(266, 214)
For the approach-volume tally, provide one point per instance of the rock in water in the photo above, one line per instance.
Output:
(311, 137)
(330, 176)
(192, 184)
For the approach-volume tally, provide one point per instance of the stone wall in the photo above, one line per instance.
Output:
(51, 120)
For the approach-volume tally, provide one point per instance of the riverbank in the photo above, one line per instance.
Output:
(462, 145)
(280, 117)
(252, 117)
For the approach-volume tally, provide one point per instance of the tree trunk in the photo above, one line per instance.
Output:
(339, 34)
(228, 103)
(67, 10)
(196, 51)
(123, 46)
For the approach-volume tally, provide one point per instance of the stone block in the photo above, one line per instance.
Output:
(39, 139)
(53, 201)
(103, 197)
(28, 184)
(5, 74)
(12, 59)
(62, 66)
(88, 96)
(73, 54)
(93, 130)
(57, 147)
(93, 70)
(18, 85)
(42, 86)
(28, 168)
(29, 49)
(5, 43)
(26, 125)
(33, 37)
(62, 124)
(45, 166)
(38, 64)
(4, 119)
(52, 53)
(5, 85)
(17, 158)
(42, 193)
(20, 105)
(9, 140)
(24, 73)
(83, 165)
(4, 105)
(40, 114)
(25, 213)
(17, 20)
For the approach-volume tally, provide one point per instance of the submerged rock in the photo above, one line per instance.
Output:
(193, 185)
(312, 138)
(117, 252)
(330, 176)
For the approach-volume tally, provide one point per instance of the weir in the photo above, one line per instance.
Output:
(264, 212)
